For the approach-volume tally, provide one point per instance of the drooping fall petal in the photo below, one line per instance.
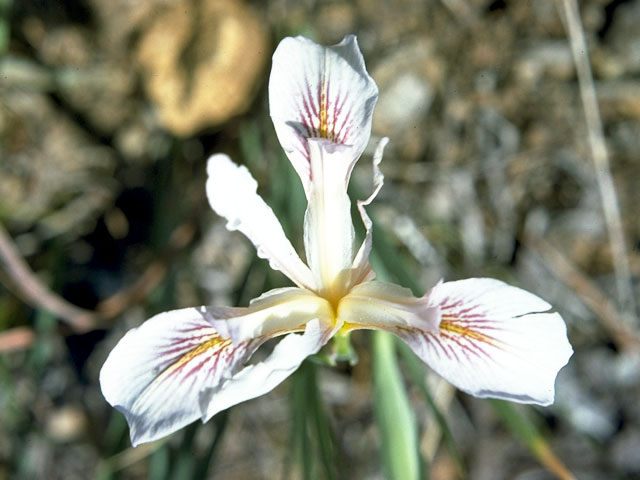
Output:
(495, 340)
(322, 92)
(176, 367)
(232, 194)
(155, 373)
(491, 340)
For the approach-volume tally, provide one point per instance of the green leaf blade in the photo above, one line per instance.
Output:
(394, 415)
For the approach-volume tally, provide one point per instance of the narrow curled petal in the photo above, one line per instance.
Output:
(328, 229)
(494, 340)
(317, 91)
(176, 367)
(232, 194)
(361, 267)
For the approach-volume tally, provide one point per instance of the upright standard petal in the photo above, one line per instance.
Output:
(324, 92)
(232, 194)
(495, 340)
(328, 229)
(178, 367)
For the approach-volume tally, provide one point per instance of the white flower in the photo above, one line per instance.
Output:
(485, 337)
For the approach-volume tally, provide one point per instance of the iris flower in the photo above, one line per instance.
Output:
(485, 337)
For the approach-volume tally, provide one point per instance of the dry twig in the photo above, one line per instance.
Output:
(621, 333)
(29, 287)
(150, 278)
(17, 338)
(600, 158)
(25, 283)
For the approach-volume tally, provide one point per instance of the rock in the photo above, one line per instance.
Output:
(51, 172)
(101, 91)
(621, 50)
(336, 20)
(67, 45)
(200, 62)
(408, 79)
(404, 101)
(620, 98)
(66, 424)
(552, 58)
(625, 451)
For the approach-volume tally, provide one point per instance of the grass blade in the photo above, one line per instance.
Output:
(321, 428)
(394, 415)
(526, 431)
(300, 442)
(416, 372)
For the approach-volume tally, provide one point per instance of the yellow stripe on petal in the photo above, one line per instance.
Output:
(212, 347)
(452, 325)
(323, 130)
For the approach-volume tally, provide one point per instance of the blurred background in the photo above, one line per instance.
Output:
(108, 111)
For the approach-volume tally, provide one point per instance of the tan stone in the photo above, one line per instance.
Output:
(200, 62)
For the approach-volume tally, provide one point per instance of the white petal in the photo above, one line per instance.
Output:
(232, 194)
(328, 230)
(256, 380)
(155, 372)
(386, 306)
(176, 367)
(361, 268)
(317, 91)
(494, 340)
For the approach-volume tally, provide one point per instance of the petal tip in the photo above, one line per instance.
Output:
(215, 161)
